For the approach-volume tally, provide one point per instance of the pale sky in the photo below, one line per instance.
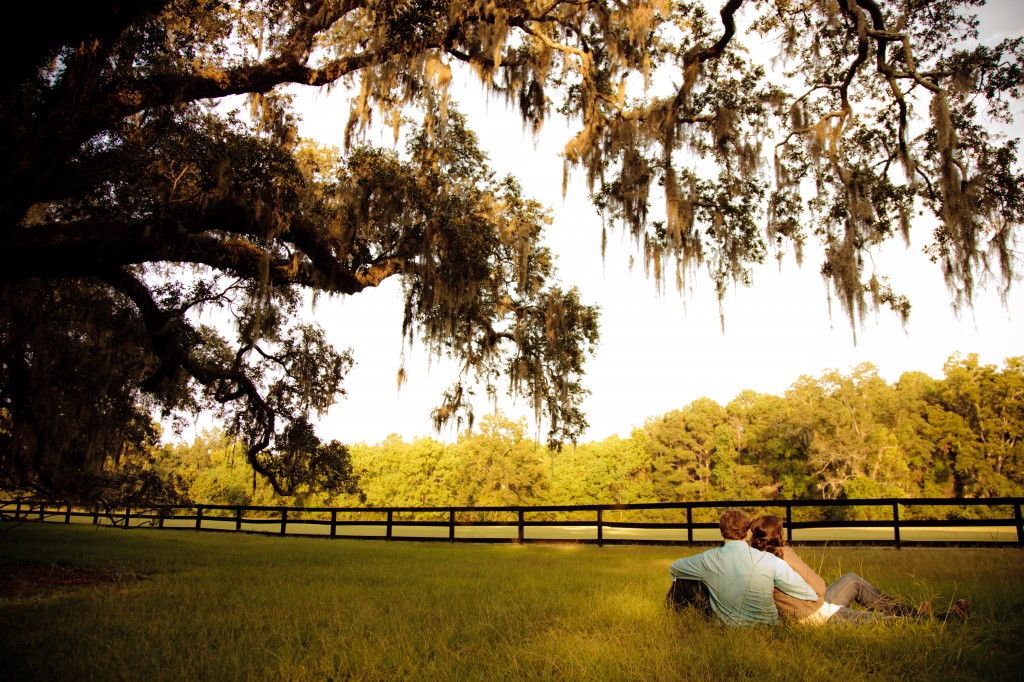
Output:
(657, 352)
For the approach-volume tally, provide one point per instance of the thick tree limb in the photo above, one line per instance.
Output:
(83, 248)
(173, 350)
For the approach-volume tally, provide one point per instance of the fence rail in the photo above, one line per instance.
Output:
(579, 523)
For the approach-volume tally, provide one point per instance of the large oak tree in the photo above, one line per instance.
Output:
(130, 195)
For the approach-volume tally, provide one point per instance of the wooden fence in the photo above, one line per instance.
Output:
(649, 523)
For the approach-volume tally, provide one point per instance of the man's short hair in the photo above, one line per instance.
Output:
(734, 524)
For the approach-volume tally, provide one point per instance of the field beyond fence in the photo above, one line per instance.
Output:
(888, 521)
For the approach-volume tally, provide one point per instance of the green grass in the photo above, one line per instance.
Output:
(244, 607)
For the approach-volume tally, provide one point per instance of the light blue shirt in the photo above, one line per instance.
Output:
(740, 580)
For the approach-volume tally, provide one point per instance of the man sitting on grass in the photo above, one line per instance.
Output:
(736, 578)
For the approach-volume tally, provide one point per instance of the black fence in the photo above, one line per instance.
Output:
(890, 521)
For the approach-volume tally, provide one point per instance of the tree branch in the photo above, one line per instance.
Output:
(171, 348)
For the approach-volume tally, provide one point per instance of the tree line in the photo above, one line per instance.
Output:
(833, 436)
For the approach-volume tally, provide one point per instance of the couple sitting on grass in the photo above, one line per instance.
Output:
(752, 584)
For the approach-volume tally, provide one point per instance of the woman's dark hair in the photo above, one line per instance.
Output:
(766, 534)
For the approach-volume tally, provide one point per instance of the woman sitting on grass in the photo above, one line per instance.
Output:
(835, 599)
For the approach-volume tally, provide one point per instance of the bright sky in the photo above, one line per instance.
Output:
(657, 353)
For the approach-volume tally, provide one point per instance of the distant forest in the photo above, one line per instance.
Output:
(830, 437)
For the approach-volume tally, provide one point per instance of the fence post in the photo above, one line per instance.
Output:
(42, 511)
(387, 533)
(1020, 524)
(95, 515)
(67, 514)
(896, 523)
(689, 524)
(334, 523)
(238, 519)
(451, 525)
(521, 534)
(789, 523)
(127, 515)
(199, 517)
(284, 519)
(17, 510)
(600, 529)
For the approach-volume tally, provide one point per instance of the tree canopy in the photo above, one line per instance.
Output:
(134, 192)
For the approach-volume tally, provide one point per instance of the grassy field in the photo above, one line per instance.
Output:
(243, 607)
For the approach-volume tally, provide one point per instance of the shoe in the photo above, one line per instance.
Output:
(960, 609)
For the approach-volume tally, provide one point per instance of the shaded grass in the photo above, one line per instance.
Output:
(245, 607)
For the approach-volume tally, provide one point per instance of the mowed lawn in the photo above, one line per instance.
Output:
(203, 606)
